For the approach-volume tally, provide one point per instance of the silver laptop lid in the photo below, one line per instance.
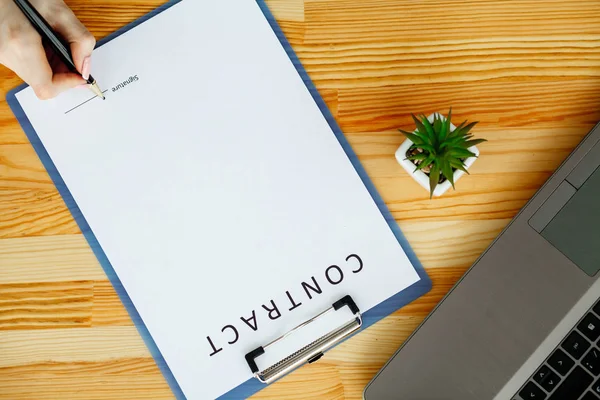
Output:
(540, 269)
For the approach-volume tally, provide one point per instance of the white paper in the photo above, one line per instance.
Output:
(214, 185)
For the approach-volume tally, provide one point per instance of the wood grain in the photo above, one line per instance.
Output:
(44, 305)
(47, 259)
(528, 71)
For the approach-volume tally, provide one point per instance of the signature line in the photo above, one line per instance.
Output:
(87, 101)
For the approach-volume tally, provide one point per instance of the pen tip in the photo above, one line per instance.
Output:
(97, 91)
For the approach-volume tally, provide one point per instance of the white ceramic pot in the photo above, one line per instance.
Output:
(420, 176)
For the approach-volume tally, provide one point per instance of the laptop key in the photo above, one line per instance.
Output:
(561, 362)
(592, 361)
(541, 374)
(597, 308)
(576, 345)
(590, 327)
(532, 391)
(546, 378)
(596, 387)
(573, 386)
(550, 382)
(589, 396)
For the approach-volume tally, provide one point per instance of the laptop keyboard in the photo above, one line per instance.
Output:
(572, 371)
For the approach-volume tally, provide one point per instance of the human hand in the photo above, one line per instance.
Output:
(22, 51)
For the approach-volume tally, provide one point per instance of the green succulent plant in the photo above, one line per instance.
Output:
(438, 151)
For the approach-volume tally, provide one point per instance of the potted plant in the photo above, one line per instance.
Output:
(437, 153)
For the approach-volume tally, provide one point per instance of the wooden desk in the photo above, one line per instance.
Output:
(528, 70)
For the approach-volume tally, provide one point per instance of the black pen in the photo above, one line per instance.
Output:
(58, 45)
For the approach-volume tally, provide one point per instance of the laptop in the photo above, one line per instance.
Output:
(524, 322)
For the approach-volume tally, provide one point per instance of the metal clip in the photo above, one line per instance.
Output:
(309, 353)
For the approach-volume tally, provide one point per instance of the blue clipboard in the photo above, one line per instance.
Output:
(251, 386)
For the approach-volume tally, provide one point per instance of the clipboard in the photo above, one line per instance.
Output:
(363, 320)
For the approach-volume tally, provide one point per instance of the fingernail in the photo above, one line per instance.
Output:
(85, 68)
